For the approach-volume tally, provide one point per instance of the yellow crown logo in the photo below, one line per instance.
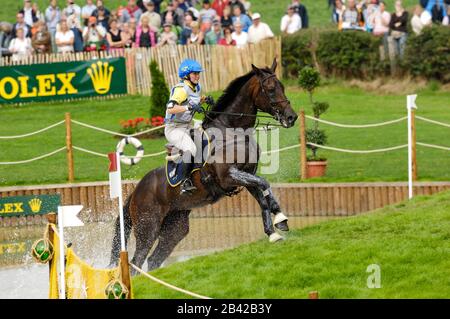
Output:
(35, 205)
(101, 74)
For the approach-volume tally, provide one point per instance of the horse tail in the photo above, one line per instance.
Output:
(115, 251)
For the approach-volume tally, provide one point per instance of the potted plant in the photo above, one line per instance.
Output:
(309, 80)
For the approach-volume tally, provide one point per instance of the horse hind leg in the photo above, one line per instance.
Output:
(173, 229)
(146, 233)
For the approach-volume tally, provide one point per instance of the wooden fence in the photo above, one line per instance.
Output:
(222, 64)
(341, 199)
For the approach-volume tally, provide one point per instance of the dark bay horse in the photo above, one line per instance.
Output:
(157, 211)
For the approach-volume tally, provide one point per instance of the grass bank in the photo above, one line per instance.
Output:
(409, 242)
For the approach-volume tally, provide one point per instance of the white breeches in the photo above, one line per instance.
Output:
(180, 137)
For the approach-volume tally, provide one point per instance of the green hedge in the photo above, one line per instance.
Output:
(428, 54)
(355, 54)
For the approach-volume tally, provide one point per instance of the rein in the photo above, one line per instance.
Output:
(271, 101)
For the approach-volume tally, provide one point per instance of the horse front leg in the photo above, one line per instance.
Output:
(258, 187)
(280, 220)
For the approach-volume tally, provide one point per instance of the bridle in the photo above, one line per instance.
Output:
(271, 102)
(267, 95)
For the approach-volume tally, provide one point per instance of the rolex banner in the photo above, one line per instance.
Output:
(29, 205)
(60, 81)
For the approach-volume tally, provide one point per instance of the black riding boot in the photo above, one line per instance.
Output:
(187, 186)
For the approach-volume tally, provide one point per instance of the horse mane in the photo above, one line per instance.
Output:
(229, 95)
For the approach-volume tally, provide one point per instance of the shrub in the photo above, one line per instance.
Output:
(309, 80)
(428, 54)
(160, 91)
(349, 54)
(297, 52)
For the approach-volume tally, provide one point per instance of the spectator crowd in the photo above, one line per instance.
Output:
(91, 26)
(373, 16)
(138, 23)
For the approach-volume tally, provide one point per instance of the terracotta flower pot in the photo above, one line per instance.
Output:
(316, 168)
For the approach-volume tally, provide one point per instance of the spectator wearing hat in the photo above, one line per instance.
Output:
(243, 19)
(227, 38)
(300, 9)
(173, 27)
(219, 6)
(240, 36)
(131, 10)
(207, 15)
(94, 35)
(291, 22)
(215, 34)
(153, 17)
(167, 37)
(258, 31)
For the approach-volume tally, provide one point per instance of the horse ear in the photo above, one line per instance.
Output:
(274, 65)
(256, 70)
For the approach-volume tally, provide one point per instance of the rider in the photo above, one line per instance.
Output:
(185, 100)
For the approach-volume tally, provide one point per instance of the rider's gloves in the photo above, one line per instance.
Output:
(209, 100)
(195, 108)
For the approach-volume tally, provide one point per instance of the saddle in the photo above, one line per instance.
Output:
(175, 170)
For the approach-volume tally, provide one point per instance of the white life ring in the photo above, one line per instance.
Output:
(137, 144)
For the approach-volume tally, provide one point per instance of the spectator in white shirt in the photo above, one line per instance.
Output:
(420, 19)
(291, 22)
(64, 38)
(258, 31)
(29, 14)
(20, 47)
(239, 36)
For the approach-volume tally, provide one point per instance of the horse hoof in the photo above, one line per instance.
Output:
(280, 222)
(274, 237)
(283, 226)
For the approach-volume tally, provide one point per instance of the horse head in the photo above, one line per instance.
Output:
(270, 96)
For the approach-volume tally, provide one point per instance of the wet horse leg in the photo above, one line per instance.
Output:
(259, 187)
(265, 210)
(173, 229)
(146, 232)
(280, 220)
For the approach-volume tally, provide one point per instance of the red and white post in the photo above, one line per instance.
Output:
(115, 191)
